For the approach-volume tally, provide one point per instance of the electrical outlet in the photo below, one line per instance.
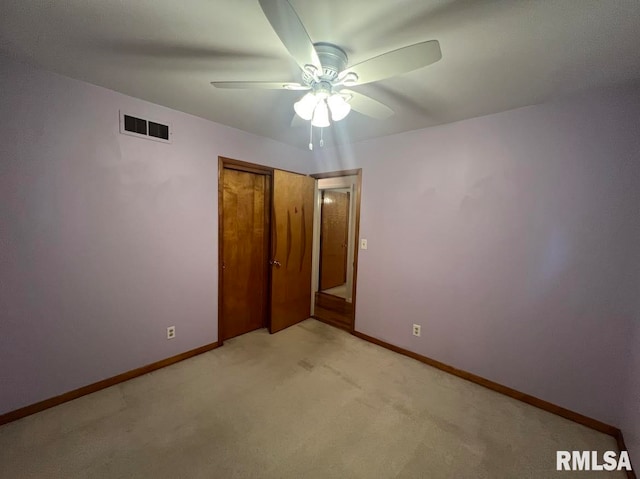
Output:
(171, 332)
(416, 330)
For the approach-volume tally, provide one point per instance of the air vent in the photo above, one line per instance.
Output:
(135, 125)
(144, 128)
(158, 130)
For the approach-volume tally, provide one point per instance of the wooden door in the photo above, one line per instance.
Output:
(333, 240)
(245, 250)
(292, 227)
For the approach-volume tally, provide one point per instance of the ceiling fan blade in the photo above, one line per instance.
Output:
(396, 62)
(368, 106)
(261, 85)
(287, 25)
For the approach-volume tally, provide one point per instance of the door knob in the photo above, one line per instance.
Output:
(275, 263)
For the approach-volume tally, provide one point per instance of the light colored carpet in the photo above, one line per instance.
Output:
(309, 402)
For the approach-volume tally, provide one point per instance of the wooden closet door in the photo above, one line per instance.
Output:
(245, 249)
(292, 227)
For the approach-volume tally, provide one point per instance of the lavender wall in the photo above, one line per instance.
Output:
(513, 240)
(105, 239)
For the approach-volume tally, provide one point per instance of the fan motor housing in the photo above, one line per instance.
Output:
(333, 60)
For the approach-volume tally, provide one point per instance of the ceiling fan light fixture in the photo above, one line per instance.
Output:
(321, 115)
(325, 71)
(305, 107)
(338, 106)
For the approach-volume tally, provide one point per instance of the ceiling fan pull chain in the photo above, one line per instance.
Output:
(310, 135)
(321, 139)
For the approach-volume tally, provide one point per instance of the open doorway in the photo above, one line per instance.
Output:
(336, 225)
(335, 222)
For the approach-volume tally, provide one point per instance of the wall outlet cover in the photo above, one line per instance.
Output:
(171, 332)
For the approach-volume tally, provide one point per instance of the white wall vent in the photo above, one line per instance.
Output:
(145, 128)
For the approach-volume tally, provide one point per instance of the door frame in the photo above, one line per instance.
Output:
(238, 165)
(356, 239)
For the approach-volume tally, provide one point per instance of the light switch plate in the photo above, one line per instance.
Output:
(363, 244)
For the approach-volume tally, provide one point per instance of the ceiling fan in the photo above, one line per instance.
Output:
(326, 74)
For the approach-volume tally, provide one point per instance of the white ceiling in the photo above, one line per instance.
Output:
(497, 54)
